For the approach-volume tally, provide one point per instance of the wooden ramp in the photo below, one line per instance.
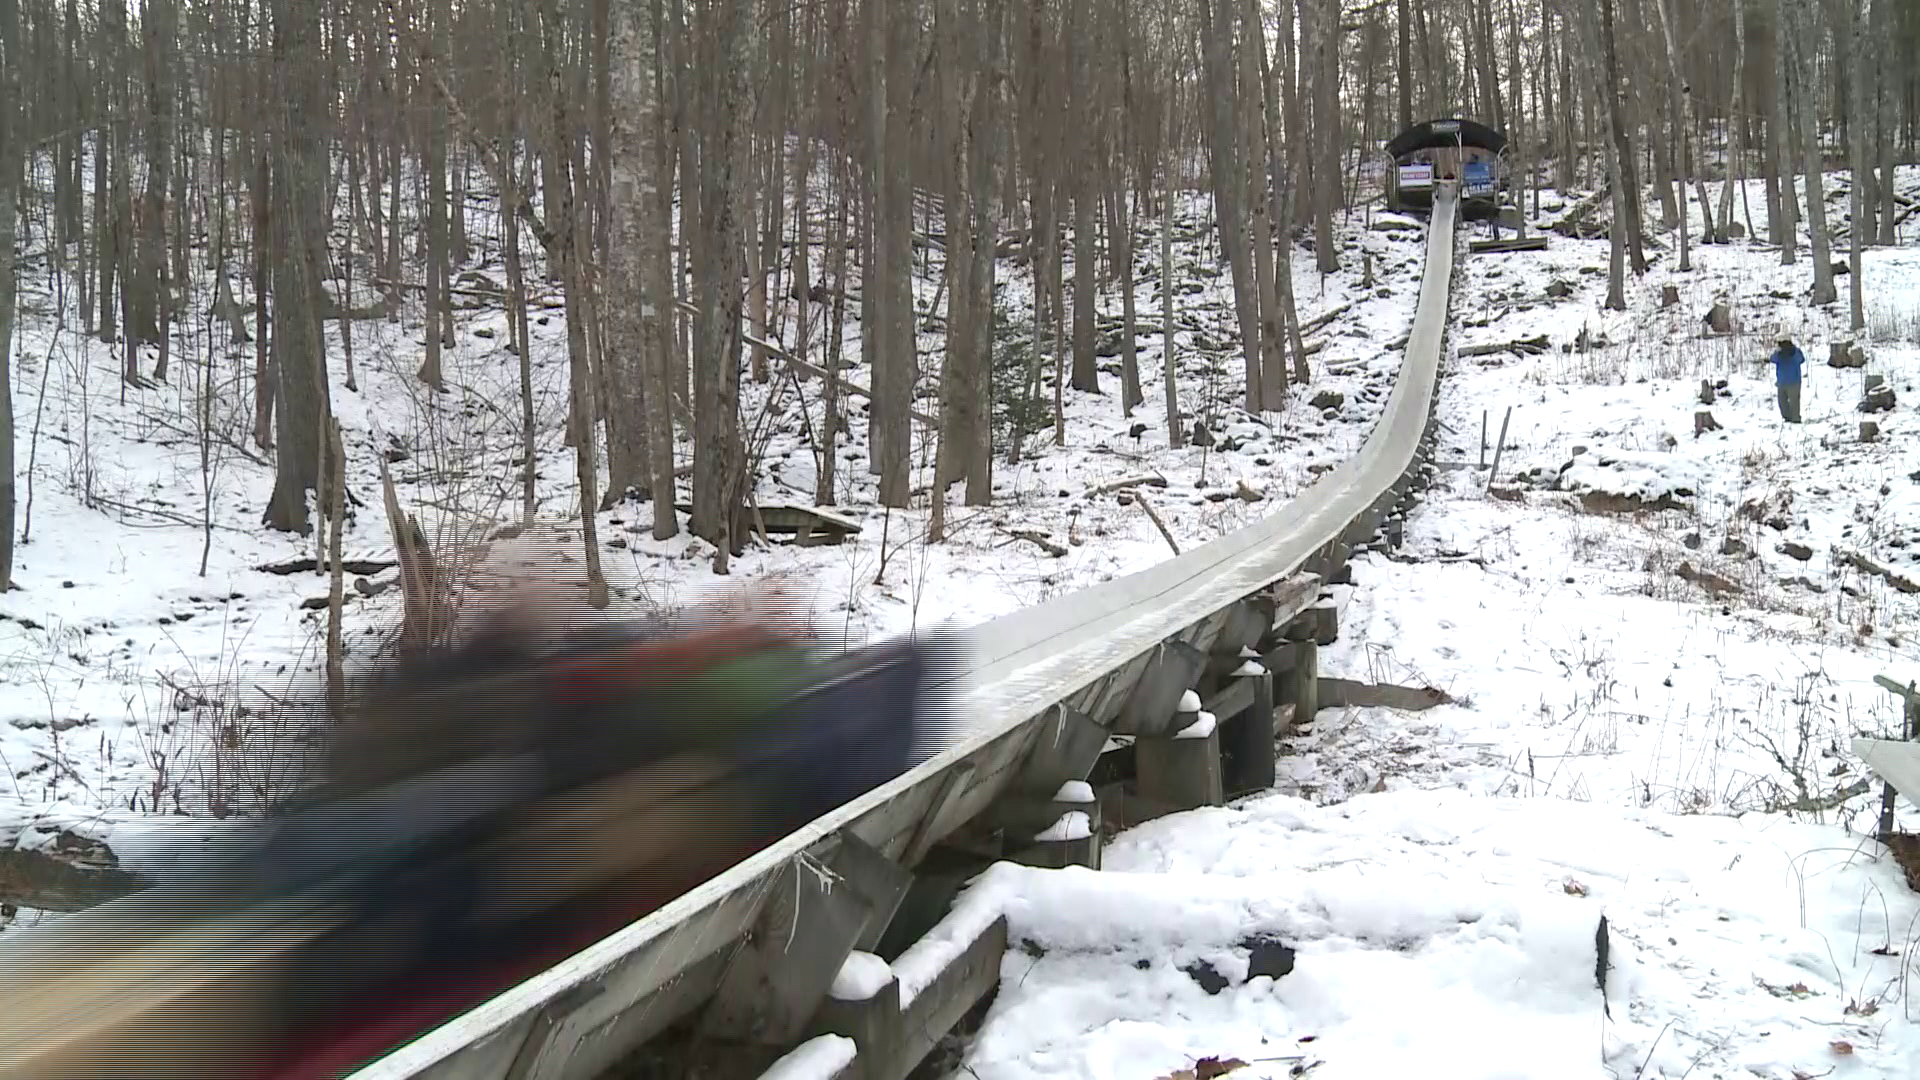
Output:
(1520, 243)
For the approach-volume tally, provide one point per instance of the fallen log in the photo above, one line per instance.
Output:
(1892, 577)
(1569, 224)
(1130, 482)
(1040, 540)
(1324, 318)
(1532, 346)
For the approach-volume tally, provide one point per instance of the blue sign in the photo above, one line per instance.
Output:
(1477, 177)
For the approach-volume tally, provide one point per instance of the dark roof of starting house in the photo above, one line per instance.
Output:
(1449, 132)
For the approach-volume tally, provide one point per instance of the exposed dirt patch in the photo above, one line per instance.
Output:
(1906, 852)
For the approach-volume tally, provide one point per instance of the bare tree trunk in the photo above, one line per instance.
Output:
(888, 283)
(435, 240)
(1325, 160)
(1260, 184)
(1627, 180)
(1131, 395)
(1803, 94)
(298, 241)
(1885, 130)
(1598, 72)
(1679, 112)
(718, 463)
(1229, 183)
(1168, 368)
(836, 270)
(955, 91)
(1404, 75)
(523, 352)
(1782, 215)
(12, 155)
(1859, 222)
(637, 278)
(1736, 128)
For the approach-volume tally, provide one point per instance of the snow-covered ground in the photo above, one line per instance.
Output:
(1649, 720)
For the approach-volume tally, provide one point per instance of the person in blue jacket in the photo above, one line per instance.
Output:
(1787, 361)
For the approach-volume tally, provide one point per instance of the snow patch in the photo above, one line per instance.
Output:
(861, 977)
(1199, 729)
(1632, 474)
(819, 1058)
(1073, 825)
(1074, 791)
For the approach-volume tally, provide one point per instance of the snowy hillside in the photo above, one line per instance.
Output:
(1647, 717)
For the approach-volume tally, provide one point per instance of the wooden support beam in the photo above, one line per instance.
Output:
(1324, 621)
(1247, 739)
(929, 830)
(1150, 709)
(781, 974)
(1245, 623)
(1303, 681)
(893, 1034)
(1066, 748)
(1180, 771)
(1070, 838)
(880, 880)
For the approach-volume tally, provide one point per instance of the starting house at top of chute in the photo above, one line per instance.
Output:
(1452, 149)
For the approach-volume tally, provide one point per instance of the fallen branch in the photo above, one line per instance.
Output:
(1324, 318)
(1714, 584)
(1154, 516)
(1865, 565)
(1441, 560)
(1532, 346)
(1820, 804)
(1040, 540)
(1130, 482)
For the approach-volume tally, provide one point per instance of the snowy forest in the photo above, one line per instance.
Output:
(935, 311)
(228, 195)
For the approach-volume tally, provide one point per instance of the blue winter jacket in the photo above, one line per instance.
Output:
(1786, 365)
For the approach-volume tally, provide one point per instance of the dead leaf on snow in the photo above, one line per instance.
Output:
(1841, 1047)
(1207, 1068)
(1573, 888)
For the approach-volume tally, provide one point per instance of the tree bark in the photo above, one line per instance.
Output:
(12, 155)
(1803, 95)
(298, 144)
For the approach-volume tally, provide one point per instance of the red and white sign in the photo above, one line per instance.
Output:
(1416, 176)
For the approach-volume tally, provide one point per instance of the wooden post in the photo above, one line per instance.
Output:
(1500, 448)
(1181, 770)
(1247, 740)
